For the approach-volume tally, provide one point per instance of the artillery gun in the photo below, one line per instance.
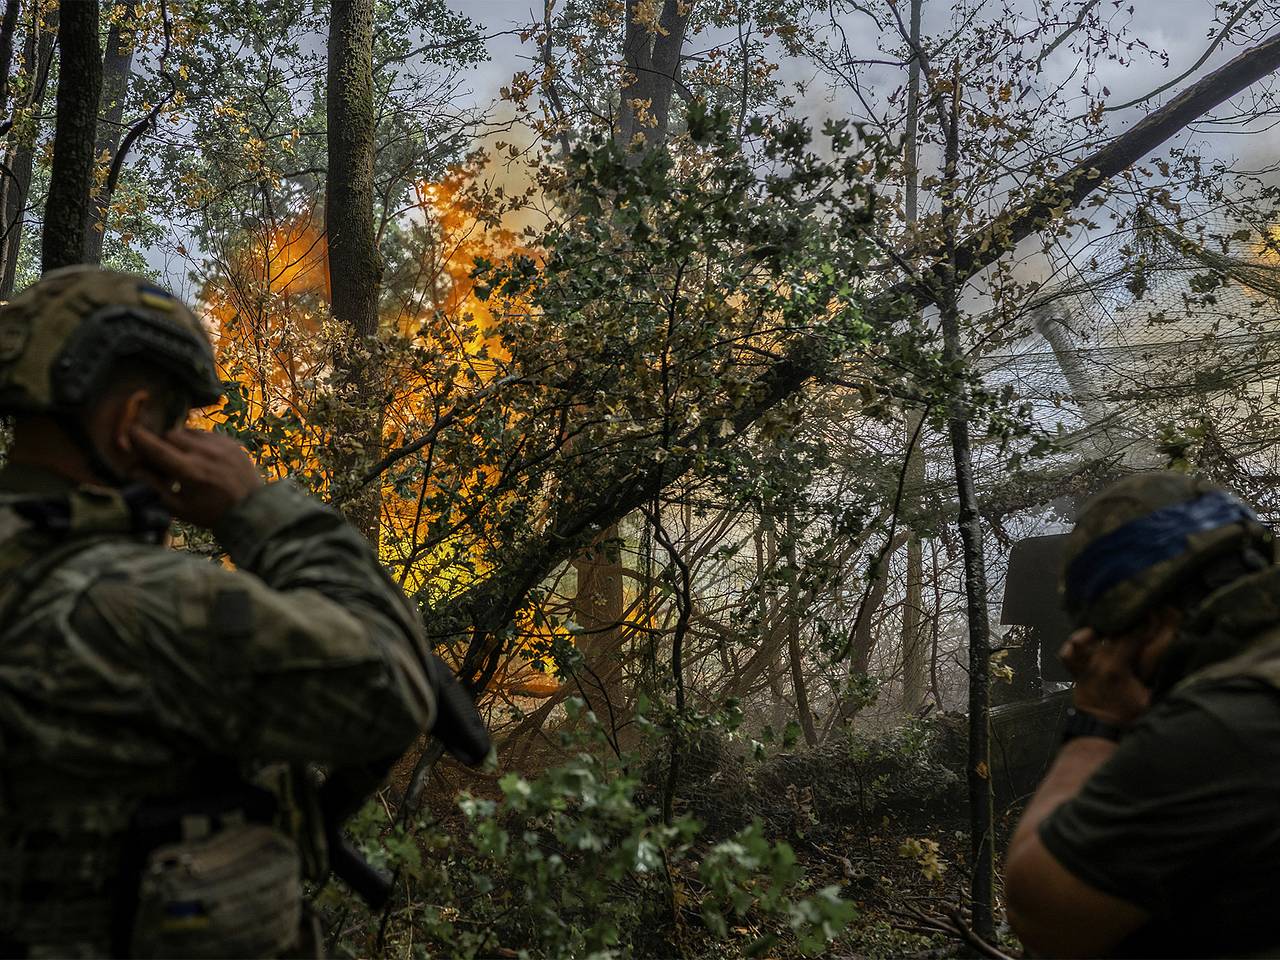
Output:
(1026, 723)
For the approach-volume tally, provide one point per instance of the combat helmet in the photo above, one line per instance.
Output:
(1146, 540)
(62, 337)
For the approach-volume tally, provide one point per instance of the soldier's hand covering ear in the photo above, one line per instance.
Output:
(1106, 674)
(198, 474)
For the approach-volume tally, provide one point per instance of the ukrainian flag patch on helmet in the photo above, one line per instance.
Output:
(156, 298)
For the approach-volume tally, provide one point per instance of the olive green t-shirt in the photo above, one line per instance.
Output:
(1184, 821)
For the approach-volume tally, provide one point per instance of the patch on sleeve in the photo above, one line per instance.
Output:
(232, 615)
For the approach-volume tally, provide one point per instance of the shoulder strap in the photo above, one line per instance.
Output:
(84, 518)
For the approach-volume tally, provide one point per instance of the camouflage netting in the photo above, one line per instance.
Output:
(1165, 326)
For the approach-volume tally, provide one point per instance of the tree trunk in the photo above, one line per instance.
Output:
(768, 655)
(910, 136)
(969, 521)
(13, 188)
(637, 47)
(665, 65)
(651, 58)
(981, 813)
(935, 685)
(913, 648)
(355, 268)
(8, 25)
(37, 56)
(677, 734)
(66, 212)
(864, 636)
(116, 68)
(792, 620)
(598, 608)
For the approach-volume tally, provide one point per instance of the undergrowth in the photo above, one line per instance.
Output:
(786, 852)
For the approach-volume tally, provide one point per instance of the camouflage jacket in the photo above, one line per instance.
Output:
(127, 669)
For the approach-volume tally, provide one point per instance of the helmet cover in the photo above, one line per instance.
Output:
(1137, 541)
(63, 337)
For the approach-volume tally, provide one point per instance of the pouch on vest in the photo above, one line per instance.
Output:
(232, 894)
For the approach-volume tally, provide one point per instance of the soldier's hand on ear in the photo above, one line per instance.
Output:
(1106, 675)
(199, 475)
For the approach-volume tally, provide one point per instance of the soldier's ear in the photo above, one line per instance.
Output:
(136, 409)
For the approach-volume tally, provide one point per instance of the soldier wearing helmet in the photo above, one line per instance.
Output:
(1156, 831)
(159, 712)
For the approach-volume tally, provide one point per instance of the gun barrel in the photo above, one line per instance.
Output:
(365, 880)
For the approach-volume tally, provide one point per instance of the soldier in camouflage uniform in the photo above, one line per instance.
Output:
(1157, 830)
(140, 687)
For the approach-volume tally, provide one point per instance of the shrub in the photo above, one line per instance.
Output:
(573, 863)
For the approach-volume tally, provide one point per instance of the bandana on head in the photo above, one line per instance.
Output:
(1141, 544)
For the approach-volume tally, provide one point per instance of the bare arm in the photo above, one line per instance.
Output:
(1055, 913)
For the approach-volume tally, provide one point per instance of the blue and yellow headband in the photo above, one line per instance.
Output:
(1128, 550)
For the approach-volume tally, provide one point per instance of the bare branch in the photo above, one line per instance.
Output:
(1217, 42)
(1065, 34)
(489, 604)
(141, 126)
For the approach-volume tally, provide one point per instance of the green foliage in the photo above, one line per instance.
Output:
(879, 939)
(571, 856)
(641, 323)
(747, 873)
(573, 864)
(902, 771)
(927, 854)
(1178, 444)
(250, 155)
